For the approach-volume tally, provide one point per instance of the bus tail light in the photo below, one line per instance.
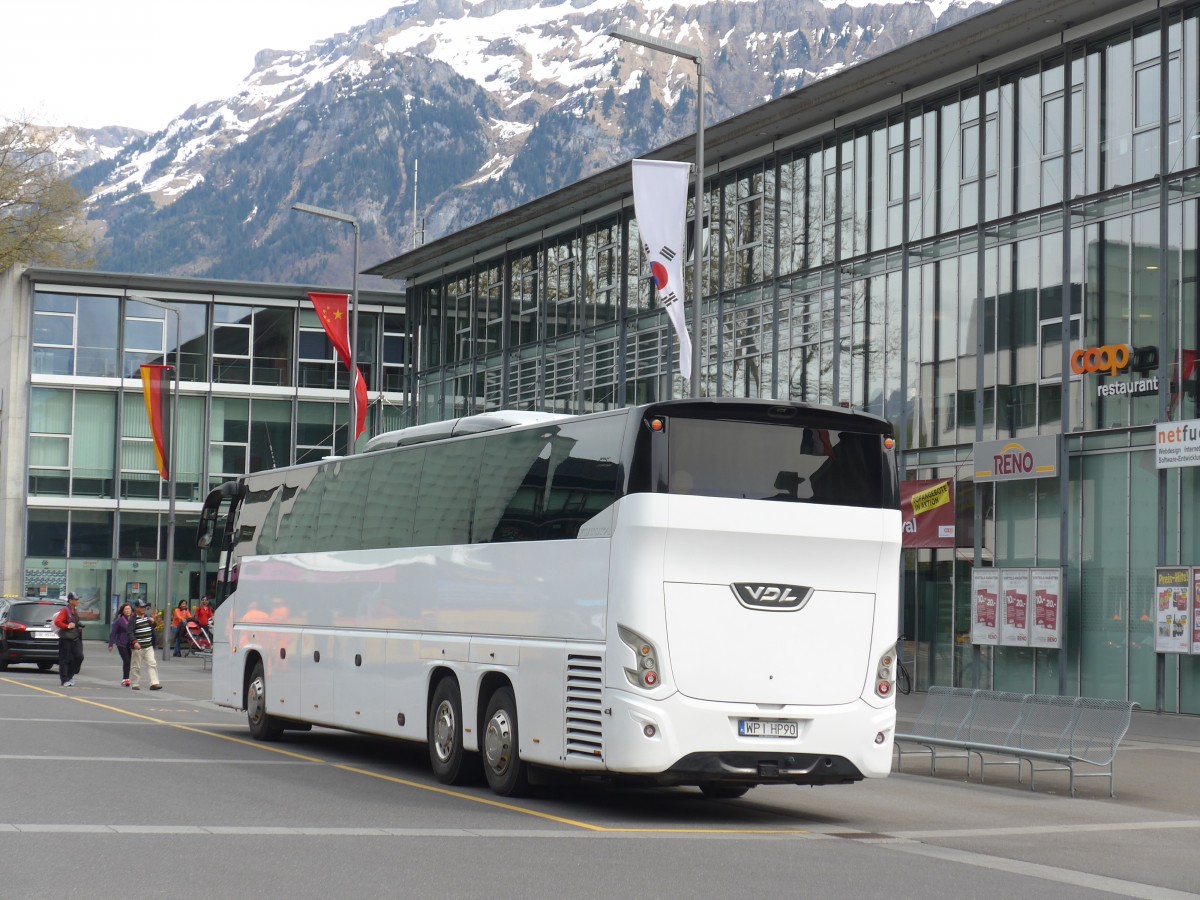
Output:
(645, 673)
(885, 677)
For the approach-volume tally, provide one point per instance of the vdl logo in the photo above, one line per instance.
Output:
(771, 596)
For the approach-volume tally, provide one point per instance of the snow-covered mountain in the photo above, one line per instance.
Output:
(497, 101)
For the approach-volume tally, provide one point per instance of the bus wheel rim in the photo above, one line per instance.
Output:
(254, 699)
(497, 742)
(443, 731)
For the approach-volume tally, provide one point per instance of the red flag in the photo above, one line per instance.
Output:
(156, 391)
(333, 311)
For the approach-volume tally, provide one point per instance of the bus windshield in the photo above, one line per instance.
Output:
(762, 461)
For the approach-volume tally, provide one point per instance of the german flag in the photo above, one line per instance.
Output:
(156, 391)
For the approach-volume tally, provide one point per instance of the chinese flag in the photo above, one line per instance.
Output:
(156, 391)
(333, 311)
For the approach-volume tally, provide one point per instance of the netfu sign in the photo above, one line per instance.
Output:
(1177, 444)
(1017, 458)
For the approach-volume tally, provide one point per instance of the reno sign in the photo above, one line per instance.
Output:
(1017, 458)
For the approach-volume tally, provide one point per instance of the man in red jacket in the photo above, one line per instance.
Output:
(70, 641)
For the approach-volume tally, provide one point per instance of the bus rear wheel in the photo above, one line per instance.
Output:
(450, 762)
(263, 726)
(506, 774)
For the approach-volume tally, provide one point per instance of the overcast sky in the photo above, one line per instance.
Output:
(140, 63)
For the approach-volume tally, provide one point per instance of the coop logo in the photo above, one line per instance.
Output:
(771, 596)
(1110, 358)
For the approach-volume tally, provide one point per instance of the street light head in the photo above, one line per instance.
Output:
(325, 213)
(645, 40)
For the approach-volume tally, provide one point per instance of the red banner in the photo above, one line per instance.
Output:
(333, 311)
(156, 391)
(927, 510)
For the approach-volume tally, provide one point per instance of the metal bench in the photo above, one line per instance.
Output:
(1064, 732)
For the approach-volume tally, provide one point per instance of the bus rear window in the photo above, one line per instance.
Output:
(785, 463)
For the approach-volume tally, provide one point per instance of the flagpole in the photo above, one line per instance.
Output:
(685, 52)
(172, 454)
(352, 429)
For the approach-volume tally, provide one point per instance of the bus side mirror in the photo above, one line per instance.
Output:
(205, 532)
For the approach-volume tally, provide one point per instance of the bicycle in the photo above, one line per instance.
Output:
(903, 679)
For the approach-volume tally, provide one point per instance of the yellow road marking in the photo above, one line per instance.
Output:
(433, 789)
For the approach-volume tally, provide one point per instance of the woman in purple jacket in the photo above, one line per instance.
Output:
(118, 636)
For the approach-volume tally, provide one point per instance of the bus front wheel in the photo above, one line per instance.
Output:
(506, 774)
(446, 755)
(263, 726)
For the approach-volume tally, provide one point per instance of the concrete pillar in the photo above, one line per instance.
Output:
(15, 304)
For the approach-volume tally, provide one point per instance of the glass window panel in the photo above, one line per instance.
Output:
(95, 444)
(51, 328)
(193, 337)
(346, 490)
(49, 451)
(137, 536)
(1146, 96)
(97, 348)
(274, 330)
(144, 335)
(91, 534)
(1053, 115)
(392, 500)
(270, 434)
(49, 411)
(47, 532)
(231, 340)
(445, 502)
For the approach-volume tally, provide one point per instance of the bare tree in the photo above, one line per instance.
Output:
(42, 220)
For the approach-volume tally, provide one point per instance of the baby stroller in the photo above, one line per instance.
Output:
(195, 639)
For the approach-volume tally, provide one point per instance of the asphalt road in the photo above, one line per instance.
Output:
(109, 793)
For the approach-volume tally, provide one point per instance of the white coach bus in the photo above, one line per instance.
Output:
(697, 592)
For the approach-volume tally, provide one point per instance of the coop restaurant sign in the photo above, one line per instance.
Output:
(1016, 459)
(1112, 360)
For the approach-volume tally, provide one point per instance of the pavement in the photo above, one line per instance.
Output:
(325, 804)
(1157, 769)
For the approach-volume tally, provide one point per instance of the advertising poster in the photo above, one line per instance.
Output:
(1048, 604)
(1196, 610)
(1014, 631)
(985, 604)
(1172, 609)
(927, 507)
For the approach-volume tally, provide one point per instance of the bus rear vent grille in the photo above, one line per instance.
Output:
(585, 731)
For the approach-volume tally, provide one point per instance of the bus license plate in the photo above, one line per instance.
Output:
(768, 728)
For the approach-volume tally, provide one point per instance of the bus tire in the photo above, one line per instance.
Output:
(714, 791)
(444, 730)
(263, 726)
(506, 774)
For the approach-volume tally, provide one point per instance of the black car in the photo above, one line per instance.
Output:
(27, 633)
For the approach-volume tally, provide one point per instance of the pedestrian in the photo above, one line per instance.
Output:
(141, 645)
(118, 636)
(179, 619)
(204, 615)
(70, 641)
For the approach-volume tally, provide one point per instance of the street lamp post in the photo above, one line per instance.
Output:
(343, 217)
(172, 455)
(685, 52)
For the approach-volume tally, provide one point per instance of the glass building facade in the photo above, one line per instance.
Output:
(259, 387)
(935, 261)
